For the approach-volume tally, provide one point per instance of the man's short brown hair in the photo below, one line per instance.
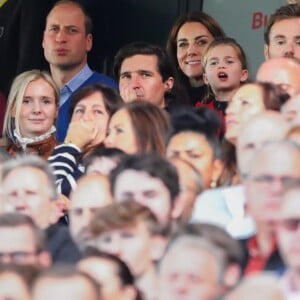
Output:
(122, 215)
(284, 12)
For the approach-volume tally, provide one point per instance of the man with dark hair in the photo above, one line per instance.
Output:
(282, 33)
(194, 138)
(145, 72)
(67, 40)
(150, 180)
(130, 230)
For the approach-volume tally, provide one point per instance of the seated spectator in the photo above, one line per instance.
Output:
(32, 107)
(288, 241)
(226, 206)
(138, 127)
(193, 137)
(264, 187)
(66, 52)
(150, 180)
(223, 77)
(25, 242)
(282, 71)
(189, 36)
(145, 72)
(131, 231)
(29, 188)
(65, 282)
(90, 110)
(197, 266)
(249, 100)
(111, 273)
(92, 192)
(190, 186)
(282, 32)
(233, 254)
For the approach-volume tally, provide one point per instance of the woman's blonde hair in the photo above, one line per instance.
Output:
(15, 99)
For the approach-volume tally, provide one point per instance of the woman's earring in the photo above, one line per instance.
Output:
(213, 183)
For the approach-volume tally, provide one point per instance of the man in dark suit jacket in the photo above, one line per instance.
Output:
(29, 188)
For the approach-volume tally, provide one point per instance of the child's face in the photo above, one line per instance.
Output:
(223, 71)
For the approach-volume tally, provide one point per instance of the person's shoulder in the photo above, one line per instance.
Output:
(215, 195)
(60, 244)
(104, 79)
(210, 206)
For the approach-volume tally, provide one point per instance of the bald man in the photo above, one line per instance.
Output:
(281, 71)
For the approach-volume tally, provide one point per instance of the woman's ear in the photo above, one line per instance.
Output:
(169, 83)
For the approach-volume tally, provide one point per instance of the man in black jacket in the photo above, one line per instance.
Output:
(29, 188)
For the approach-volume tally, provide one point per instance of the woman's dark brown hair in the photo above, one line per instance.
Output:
(197, 16)
(150, 124)
(111, 98)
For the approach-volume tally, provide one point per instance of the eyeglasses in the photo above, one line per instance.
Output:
(291, 224)
(268, 179)
(17, 256)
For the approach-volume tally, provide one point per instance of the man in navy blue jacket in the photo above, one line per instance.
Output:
(67, 41)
